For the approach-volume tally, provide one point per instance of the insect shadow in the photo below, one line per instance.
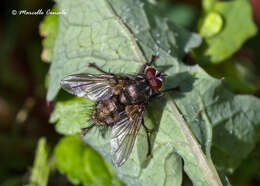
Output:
(183, 82)
(154, 111)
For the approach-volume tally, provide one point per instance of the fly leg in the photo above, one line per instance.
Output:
(141, 71)
(93, 65)
(84, 131)
(154, 57)
(149, 153)
(161, 93)
(171, 89)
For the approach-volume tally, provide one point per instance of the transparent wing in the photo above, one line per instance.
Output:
(94, 87)
(124, 134)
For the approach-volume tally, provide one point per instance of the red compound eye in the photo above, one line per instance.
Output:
(150, 73)
(156, 83)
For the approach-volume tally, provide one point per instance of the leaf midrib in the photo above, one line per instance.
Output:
(205, 165)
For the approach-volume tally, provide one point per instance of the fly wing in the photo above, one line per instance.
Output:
(124, 134)
(94, 87)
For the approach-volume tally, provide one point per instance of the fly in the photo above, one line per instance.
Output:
(120, 104)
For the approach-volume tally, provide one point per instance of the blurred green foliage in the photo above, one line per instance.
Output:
(232, 35)
(49, 30)
(82, 164)
(40, 172)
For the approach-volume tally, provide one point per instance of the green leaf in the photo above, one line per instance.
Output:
(207, 5)
(82, 164)
(49, 30)
(41, 169)
(119, 36)
(233, 34)
(105, 39)
(234, 121)
(65, 115)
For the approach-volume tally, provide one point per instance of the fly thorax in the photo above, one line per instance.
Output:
(137, 93)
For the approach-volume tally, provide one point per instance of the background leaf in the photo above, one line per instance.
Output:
(218, 48)
(249, 168)
(41, 169)
(182, 14)
(49, 30)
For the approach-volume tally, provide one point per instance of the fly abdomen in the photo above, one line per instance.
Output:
(107, 112)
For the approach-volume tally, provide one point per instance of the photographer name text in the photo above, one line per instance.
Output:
(38, 12)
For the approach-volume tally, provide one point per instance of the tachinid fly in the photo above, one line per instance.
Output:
(120, 103)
